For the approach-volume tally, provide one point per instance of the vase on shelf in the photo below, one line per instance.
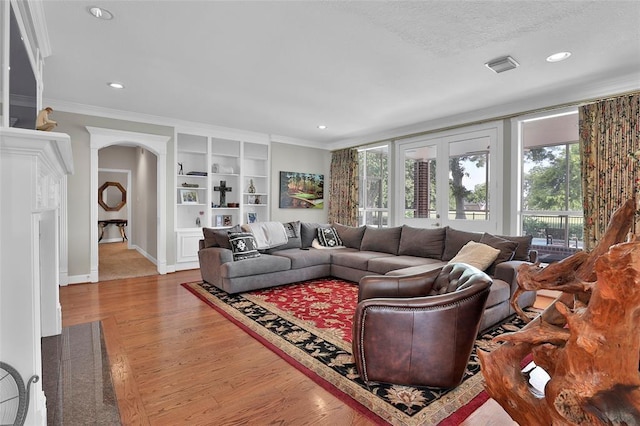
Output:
(252, 189)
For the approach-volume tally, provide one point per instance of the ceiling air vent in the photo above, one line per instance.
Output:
(502, 64)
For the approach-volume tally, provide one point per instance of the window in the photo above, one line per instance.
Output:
(374, 186)
(469, 179)
(420, 182)
(551, 200)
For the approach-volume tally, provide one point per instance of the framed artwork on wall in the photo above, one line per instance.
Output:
(301, 190)
(252, 217)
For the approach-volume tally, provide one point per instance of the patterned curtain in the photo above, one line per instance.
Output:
(610, 145)
(343, 190)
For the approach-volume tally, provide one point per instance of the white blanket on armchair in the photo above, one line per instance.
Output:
(267, 234)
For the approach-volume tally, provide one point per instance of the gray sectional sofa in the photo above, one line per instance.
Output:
(401, 250)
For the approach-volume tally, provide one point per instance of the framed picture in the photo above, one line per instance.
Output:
(189, 196)
(219, 221)
(301, 190)
(227, 220)
(252, 217)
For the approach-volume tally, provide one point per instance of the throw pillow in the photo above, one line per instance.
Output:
(351, 236)
(308, 231)
(328, 237)
(506, 247)
(209, 238)
(455, 240)
(384, 240)
(292, 229)
(316, 245)
(524, 246)
(422, 242)
(243, 245)
(476, 254)
(222, 236)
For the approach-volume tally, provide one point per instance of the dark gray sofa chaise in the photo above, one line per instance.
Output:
(401, 250)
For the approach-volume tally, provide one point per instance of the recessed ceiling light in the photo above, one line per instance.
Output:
(322, 126)
(557, 57)
(116, 85)
(100, 13)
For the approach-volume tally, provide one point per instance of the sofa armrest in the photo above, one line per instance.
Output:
(375, 286)
(508, 272)
(211, 260)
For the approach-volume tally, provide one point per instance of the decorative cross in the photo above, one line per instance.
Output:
(223, 188)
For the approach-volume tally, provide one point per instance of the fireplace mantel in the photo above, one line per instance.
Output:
(33, 242)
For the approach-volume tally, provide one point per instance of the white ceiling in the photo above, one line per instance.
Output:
(367, 70)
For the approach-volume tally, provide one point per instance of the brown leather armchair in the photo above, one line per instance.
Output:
(419, 330)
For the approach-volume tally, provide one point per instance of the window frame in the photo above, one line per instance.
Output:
(362, 189)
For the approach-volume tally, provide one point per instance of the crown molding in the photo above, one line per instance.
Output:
(577, 94)
(173, 123)
(298, 142)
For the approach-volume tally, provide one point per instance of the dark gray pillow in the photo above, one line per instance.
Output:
(222, 236)
(524, 245)
(209, 238)
(455, 240)
(422, 242)
(243, 245)
(351, 236)
(308, 232)
(507, 249)
(384, 240)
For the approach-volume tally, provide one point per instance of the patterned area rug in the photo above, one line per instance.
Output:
(309, 324)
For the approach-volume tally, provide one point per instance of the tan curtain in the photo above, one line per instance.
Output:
(609, 143)
(343, 190)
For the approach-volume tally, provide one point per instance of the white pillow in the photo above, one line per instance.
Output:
(476, 254)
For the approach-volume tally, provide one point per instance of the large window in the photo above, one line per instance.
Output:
(551, 181)
(469, 179)
(374, 186)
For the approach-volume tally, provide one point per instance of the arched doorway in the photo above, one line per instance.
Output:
(101, 138)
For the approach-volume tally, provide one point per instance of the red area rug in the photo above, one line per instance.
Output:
(309, 325)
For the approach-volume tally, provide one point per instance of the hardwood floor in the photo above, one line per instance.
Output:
(176, 361)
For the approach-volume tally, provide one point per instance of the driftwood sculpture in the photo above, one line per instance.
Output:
(587, 340)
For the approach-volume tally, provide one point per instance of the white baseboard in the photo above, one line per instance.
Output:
(79, 279)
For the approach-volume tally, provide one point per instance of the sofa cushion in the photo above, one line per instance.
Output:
(293, 238)
(431, 265)
(506, 247)
(222, 236)
(384, 240)
(308, 231)
(500, 292)
(382, 265)
(209, 238)
(305, 258)
(422, 242)
(243, 245)
(351, 236)
(264, 264)
(328, 237)
(524, 245)
(355, 259)
(476, 254)
(455, 240)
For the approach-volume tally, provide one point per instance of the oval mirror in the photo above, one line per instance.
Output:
(112, 196)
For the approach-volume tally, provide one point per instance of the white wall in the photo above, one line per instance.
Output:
(145, 214)
(292, 158)
(79, 187)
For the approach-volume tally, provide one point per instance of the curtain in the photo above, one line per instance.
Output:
(343, 191)
(610, 149)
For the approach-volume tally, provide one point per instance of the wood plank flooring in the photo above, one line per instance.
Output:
(176, 361)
